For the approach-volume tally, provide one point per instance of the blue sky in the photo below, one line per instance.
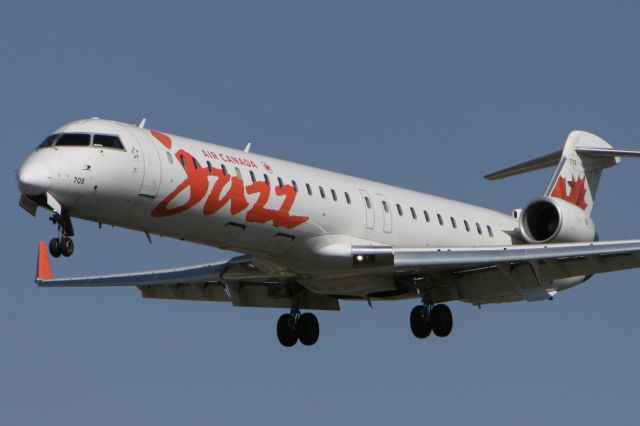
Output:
(425, 95)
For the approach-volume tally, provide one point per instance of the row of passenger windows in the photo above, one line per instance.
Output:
(82, 139)
(334, 196)
(265, 176)
(427, 218)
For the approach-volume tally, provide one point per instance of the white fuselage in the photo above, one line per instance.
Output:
(303, 219)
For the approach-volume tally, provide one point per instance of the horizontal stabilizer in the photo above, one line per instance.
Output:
(606, 152)
(543, 162)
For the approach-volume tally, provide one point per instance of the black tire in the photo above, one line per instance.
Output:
(420, 326)
(441, 320)
(54, 247)
(308, 329)
(287, 334)
(66, 246)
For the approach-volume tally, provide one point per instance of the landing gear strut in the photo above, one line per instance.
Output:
(62, 244)
(426, 318)
(295, 326)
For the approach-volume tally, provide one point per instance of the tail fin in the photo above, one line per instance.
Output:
(578, 170)
(578, 173)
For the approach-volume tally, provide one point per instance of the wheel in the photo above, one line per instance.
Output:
(441, 320)
(308, 329)
(420, 326)
(66, 246)
(54, 247)
(287, 334)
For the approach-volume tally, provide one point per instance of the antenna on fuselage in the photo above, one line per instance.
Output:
(248, 147)
(142, 123)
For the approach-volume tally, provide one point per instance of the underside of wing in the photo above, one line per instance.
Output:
(243, 281)
(505, 273)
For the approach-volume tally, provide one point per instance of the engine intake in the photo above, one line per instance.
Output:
(548, 219)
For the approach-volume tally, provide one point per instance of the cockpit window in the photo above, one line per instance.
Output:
(107, 141)
(49, 140)
(74, 139)
(82, 139)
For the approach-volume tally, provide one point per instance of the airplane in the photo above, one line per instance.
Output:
(310, 238)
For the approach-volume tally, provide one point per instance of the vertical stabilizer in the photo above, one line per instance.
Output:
(577, 175)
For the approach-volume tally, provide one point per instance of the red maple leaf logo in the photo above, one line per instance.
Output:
(576, 194)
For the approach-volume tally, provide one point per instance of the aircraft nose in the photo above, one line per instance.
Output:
(34, 178)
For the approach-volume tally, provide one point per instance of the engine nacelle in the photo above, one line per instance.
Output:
(548, 219)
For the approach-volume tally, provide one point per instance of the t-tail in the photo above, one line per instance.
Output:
(578, 171)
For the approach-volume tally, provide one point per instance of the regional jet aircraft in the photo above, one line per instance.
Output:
(310, 238)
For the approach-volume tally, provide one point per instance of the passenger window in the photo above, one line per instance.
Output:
(195, 163)
(440, 220)
(224, 169)
(399, 209)
(347, 197)
(321, 192)
(368, 202)
(334, 195)
(107, 141)
(74, 139)
(466, 226)
(266, 179)
(183, 161)
(309, 189)
(169, 157)
(426, 216)
(479, 228)
(48, 141)
(209, 166)
(280, 184)
(490, 231)
(453, 222)
(385, 206)
(238, 173)
(253, 176)
(413, 213)
(295, 185)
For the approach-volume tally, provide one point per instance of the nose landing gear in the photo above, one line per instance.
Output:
(62, 244)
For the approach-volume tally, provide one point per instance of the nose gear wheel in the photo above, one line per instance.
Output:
(62, 244)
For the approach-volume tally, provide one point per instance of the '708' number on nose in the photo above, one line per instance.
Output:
(78, 180)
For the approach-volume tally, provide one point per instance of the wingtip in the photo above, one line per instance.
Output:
(43, 272)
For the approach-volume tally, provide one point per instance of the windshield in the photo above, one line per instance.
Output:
(82, 139)
(107, 141)
(74, 139)
(49, 140)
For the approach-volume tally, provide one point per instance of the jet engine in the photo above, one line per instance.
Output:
(549, 219)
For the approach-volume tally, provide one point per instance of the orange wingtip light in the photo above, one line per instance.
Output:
(44, 267)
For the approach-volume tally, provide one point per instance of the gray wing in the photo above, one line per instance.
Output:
(533, 271)
(243, 281)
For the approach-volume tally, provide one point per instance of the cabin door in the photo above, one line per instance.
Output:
(368, 208)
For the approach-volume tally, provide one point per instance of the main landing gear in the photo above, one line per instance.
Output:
(296, 326)
(62, 244)
(426, 318)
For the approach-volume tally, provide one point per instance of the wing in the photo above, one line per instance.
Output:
(534, 272)
(243, 281)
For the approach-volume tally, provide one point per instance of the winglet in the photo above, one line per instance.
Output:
(43, 272)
